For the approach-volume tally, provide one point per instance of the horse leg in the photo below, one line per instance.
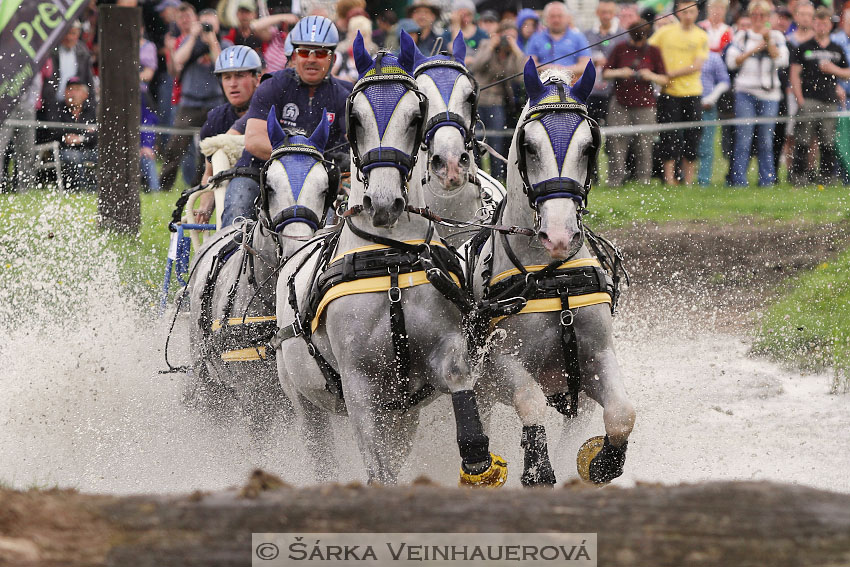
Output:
(603, 382)
(479, 467)
(318, 434)
(530, 405)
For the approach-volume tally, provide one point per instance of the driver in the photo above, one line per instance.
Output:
(238, 70)
(298, 94)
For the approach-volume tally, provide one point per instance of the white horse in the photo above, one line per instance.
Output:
(540, 270)
(232, 284)
(385, 341)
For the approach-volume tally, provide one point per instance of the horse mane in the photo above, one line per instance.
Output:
(559, 73)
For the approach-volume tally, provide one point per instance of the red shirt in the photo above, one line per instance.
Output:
(635, 92)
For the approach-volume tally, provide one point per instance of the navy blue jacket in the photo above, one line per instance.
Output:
(296, 109)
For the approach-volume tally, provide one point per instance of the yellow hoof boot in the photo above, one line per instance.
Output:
(586, 452)
(495, 475)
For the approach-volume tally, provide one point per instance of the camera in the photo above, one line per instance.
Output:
(206, 27)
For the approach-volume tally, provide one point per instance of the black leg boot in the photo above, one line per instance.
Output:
(538, 470)
(608, 463)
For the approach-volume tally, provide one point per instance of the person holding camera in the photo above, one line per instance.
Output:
(194, 62)
(635, 67)
(499, 57)
(757, 54)
(815, 66)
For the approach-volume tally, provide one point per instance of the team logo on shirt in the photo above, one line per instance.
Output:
(290, 112)
(331, 116)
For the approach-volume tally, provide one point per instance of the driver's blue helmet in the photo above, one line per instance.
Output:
(238, 58)
(315, 31)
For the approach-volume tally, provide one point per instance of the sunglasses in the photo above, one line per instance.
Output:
(306, 52)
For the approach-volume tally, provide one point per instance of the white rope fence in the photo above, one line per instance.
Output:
(606, 130)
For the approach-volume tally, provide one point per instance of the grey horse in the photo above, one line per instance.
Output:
(378, 345)
(232, 284)
(547, 183)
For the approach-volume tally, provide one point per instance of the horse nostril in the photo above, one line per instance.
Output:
(464, 159)
(542, 236)
(437, 162)
(398, 205)
(367, 202)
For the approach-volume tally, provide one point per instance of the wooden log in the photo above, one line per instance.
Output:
(118, 118)
(728, 523)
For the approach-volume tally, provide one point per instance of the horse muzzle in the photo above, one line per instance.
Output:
(451, 171)
(560, 244)
(384, 211)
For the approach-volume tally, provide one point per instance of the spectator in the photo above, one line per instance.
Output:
(802, 30)
(628, 16)
(344, 68)
(69, 59)
(815, 64)
(606, 25)
(200, 92)
(715, 82)
(412, 29)
(78, 149)
(719, 32)
(462, 19)
(633, 66)
(20, 139)
(781, 21)
(499, 57)
(684, 48)
(244, 34)
(559, 41)
(489, 22)
(299, 95)
(424, 13)
(162, 85)
(147, 70)
(273, 31)
(526, 22)
(345, 9)
(757, 54)
(386, 22)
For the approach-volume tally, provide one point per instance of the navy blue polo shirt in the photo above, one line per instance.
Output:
(297, 109)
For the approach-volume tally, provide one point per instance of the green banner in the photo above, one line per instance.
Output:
(29, 29)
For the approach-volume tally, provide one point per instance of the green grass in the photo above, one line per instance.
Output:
(810, 326)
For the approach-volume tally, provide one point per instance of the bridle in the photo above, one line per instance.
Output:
(295, 213)
(558, 187)
(451, 118)
(384, 156)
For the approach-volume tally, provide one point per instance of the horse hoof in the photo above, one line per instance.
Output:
(600, 462)
(540, 475)
(494, 476)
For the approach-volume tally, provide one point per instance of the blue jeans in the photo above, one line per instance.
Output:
(495, 120)
(79, 168)
(150, 176)
(749, 106)
(239, 200)
(705, 152)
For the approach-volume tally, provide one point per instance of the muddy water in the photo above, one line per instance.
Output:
(82, 404)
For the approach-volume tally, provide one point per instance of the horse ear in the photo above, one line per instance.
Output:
(459, 48)
(533, 84)
(584, 85)
(276, 134)
(406, 56)
(319, 137)
(362, 59)
(418, 57)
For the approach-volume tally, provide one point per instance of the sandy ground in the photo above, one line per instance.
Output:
(84, 407)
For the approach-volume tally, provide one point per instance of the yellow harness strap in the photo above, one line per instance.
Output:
(243, 354)
(554, 303)
(371, 285)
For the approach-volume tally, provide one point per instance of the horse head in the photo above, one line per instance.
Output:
(385, 116)
(452, 94)
(554, 150)
(298, 184)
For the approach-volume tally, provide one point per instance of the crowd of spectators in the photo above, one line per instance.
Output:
(756, 60)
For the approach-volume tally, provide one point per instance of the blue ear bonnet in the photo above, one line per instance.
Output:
(298, 165)
(560, 122)
(444, 77)
(384, 97)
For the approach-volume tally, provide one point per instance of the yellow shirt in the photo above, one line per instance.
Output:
(680, 48)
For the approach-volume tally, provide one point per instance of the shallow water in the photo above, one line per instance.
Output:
(83, 404)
